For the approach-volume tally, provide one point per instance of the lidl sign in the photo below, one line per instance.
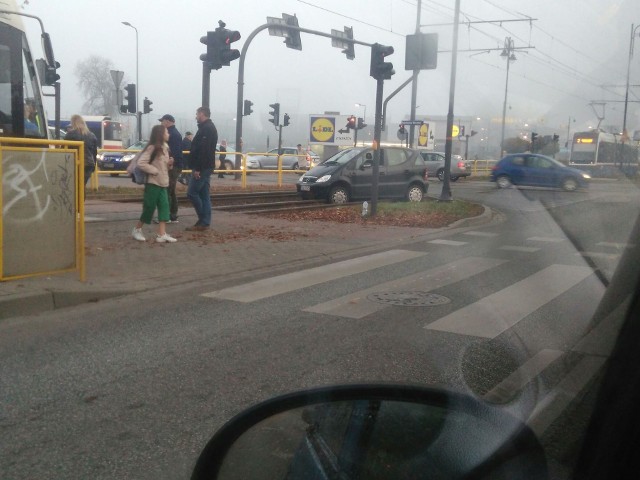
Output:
(329, 130)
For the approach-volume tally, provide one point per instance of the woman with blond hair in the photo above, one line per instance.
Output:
(156, 162)
(79, 131)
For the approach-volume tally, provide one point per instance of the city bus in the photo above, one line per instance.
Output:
(21, 106)
(107, 131)
(594, 147)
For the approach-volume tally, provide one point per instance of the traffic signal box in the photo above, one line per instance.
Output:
(286, 120)
(247, 108)
(219, 51)
(147, 105)
(275, 113)
(381, 70)
(351, 123)
(131, 97)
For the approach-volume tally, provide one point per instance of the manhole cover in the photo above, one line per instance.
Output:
(409, 299)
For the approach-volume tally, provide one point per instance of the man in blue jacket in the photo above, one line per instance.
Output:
(202, 162)
(175, 147)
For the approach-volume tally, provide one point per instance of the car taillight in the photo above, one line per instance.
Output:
(426, 176)
(461, 165)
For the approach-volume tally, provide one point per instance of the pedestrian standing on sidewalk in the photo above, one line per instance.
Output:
(156, 163)
(79, 131)
(222, 157)
(175, 149)
(202, 161)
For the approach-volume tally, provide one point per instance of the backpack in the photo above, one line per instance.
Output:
(137, 175)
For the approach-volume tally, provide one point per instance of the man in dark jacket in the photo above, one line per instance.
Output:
(175, 147)
(202, 162)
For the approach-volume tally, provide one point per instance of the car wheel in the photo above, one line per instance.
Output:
(503, 181)
(294, 166)
(415, 193)
(339, 194)
(570, 184)
(440, 174)
(454, 179)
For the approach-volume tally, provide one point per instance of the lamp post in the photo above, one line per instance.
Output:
(138, 116)
(626, 96)
(364, 117)
(507, 53)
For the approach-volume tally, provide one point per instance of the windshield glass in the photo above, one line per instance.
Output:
(412, 256)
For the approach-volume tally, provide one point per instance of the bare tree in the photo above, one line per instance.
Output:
(94, 80)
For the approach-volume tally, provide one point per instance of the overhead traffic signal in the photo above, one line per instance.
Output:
(292, 37)
(286, 120)
(351, 122)
(379, 69)
(361, 123)
(275, 113)
(247, 108)
(131, 97)
(147, 105)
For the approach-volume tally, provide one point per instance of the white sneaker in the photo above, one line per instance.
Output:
(165, 238)
(137, 234)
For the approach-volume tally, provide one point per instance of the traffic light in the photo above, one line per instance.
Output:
(379, 69)
(556, 137)
(534, 136)
(225, 39)
(218, 42)
(351, 123)
(461, 131)
(361, 123)
(51, 75)
(147, 105)
(275, 113)
(131, 97)
(401, 129)
(292, 38)
(286, 120)
(247, 108)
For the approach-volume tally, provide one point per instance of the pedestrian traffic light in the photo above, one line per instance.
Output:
(461, 131)
(225, 39)
(351, 122)
(147, 105)
(131, 97)
(292, 37)
(379, 69)
(247, 108)
(286, 120)
(361, 123)
(556, 137)
(275, 113)
(219, 51)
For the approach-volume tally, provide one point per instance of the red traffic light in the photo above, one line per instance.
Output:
(351, 122)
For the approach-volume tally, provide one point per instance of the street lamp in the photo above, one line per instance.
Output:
(626, 96)
(138, 122)
(507, 53)
(364, 117)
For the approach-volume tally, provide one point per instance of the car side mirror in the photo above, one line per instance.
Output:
(372, 431)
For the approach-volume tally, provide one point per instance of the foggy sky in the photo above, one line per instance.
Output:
(576, 46)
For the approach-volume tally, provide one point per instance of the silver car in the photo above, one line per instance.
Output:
(434, 161)
(290, 160)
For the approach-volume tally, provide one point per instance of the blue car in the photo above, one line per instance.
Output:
(533, 170)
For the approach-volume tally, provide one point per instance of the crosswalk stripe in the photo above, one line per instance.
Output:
(504, 391)
(442, 241)
(481, 234)
(546, 239)
(494, 314)
(605, 256)
(356, 305)
(619, 246)
(516, 248)
(268, 287)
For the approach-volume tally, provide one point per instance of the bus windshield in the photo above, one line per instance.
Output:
(21, 109)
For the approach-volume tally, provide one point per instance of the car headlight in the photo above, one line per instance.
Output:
(586, 176)
(324, 178)
(100, 156)
(301, 179)
(128, 157)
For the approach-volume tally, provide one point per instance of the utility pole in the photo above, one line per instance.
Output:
(414, 85)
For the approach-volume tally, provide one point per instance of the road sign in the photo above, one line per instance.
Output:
(116, 76)
(412, 122)
(330, 130)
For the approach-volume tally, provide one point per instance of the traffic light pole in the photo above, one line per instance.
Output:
(377, 133)
(206, 85)
(139, 124)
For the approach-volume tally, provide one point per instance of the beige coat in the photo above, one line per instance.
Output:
(158, 170)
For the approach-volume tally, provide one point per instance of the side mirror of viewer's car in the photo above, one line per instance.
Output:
(372, 432)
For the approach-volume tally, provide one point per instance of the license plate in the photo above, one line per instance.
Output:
(305, 188)
(108, 165)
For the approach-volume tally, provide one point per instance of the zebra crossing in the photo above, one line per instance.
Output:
(484, 319)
